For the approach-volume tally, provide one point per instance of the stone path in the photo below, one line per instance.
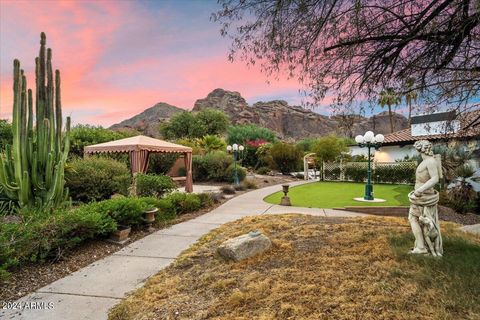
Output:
(90, 292)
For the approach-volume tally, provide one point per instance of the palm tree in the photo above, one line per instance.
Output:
(409, 96)
(388, 97)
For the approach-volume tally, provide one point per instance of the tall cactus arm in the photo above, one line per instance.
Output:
(17, 86)
(58, 110)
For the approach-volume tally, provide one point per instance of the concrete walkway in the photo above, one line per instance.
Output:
(90, 292)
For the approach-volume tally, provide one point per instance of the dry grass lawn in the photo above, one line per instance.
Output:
(317, 268)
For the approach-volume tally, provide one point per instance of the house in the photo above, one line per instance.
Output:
(445, 128)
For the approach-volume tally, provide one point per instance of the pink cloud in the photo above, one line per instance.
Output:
(118, 58)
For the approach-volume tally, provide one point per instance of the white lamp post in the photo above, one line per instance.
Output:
(236, 150)
(369, 140)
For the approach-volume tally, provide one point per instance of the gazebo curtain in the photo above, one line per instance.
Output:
(139, 161)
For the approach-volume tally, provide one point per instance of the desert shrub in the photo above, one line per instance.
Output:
(213, 166)
(96, 178)
(229, 172)
(228, 190)
(249, 184)
(286, 157)
(206, 199)
(166, 208)
(125, 211)
(85, 135)
(307, 144)
(462, 198)
(240, 187)
(195, 125)
(43, 236)
(249, 132)
(151, 185)
(211, 143)
(263, 170)
(185, 202)
(161, 163)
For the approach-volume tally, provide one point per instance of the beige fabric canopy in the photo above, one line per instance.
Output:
(139, 148)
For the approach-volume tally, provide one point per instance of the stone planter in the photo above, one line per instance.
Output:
(150, 218)
(120, 236)
(285, 199)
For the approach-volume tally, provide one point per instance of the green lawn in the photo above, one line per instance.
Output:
(341, 194)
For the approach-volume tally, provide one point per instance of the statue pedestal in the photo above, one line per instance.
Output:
(285, 201)
(374, 200)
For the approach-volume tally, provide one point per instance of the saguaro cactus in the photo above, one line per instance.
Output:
(32, 169)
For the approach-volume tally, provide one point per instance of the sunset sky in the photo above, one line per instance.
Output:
(118, 58)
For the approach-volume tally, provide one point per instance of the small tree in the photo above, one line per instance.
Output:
(329, 148)
(192, 125)
(249, 132)
(84, 135)
(286, 157)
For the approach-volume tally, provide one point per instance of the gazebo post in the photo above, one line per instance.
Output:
(188, 170)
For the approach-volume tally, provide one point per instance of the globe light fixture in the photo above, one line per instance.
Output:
(369, 140)
(237, 151)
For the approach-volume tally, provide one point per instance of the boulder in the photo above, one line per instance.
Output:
(244, 246)
(473, 229)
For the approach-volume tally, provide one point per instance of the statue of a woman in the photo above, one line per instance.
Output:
(423, 214)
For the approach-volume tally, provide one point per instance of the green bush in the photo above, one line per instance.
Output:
(263, 170)
(286, 157)
(214, 166)
(46, 235)
(85, 135)
(125, 211)
(356, 173)
(206, 199)
(95, 178)
(195, 125)
(229, 172)
(249, 132)
(150, 185)
(185, 202)
(161, 163)
(394, 173)
(166, 208)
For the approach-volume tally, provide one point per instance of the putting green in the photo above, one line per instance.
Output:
(341, 194)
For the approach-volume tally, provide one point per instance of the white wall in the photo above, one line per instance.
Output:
(387, 153)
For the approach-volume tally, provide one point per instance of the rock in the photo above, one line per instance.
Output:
(244, 246)
(287, 121)
(11, 219)
(474, 229)
(147, 121)
(294, 121)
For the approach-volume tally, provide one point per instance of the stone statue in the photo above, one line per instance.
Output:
(423, 214)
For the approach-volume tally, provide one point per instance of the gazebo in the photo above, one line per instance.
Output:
(139, 149)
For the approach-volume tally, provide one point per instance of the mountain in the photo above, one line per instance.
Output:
(295, 121)
(147, 121)
(287, 121)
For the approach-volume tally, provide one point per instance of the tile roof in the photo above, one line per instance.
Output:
(405, 135)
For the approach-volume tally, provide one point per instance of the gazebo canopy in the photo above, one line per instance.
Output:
(137, 143)
(139, 149)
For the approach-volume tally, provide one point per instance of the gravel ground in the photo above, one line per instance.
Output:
(447, 214)
(31, 277)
